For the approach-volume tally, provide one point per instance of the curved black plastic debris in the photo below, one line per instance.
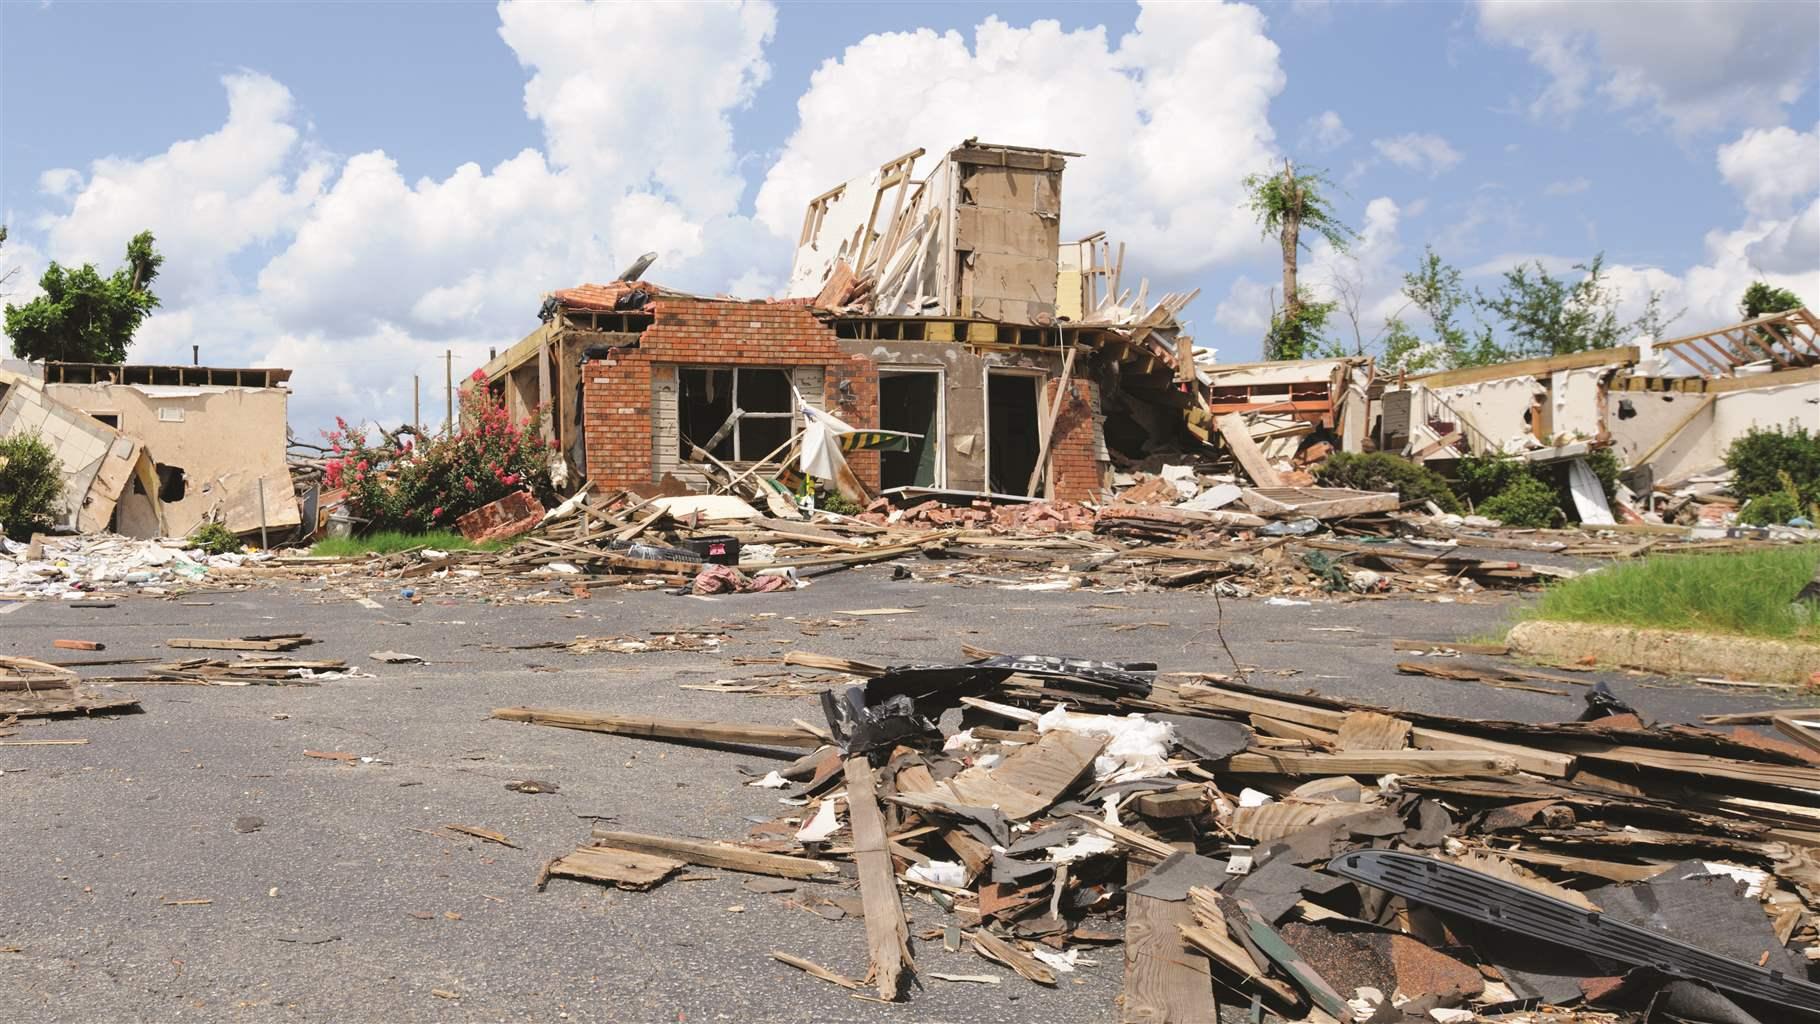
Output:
(1480, 897)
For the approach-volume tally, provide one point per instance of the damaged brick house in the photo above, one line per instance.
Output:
(945, 307)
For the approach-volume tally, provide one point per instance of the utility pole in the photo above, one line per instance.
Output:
(448, 390)
(416, 403)
(195, 355)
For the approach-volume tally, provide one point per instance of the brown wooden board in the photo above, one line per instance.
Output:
(622, 868)
(686, 730)
(887, 933)
(1167, 981)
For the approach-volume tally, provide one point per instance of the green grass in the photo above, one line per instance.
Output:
(1749, 594)
(388, 542)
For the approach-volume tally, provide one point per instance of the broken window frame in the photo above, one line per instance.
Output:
(738, 455)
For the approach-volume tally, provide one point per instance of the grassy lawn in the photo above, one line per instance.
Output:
(387, 542)
(1750, 594)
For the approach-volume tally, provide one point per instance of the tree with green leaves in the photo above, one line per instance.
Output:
(1545, 315)
(1284, 204)
(1435, 289)
(83, 317)
(1762, 299)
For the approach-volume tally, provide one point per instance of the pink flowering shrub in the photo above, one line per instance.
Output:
(415, 487)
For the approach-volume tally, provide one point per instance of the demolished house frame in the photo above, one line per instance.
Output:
(916, 308)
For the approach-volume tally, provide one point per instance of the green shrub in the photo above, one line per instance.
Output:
(1527, 502)
(414, 488)
(1382, 471)
(215, 539)
(1770, 509)
(1483, 477)
(31, 486)
(1758, 460)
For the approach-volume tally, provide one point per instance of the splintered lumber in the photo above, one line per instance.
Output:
(1166, 980)
(1005, 952)
(1212, 935)
(1371, 762)
(716, 855)
(1370, 730)
(251, 643)
(1024, 784)
(1705, 766)
(687, 730)
(887, 933)
(815, 970)
(623, 868)
(78, 645)
(1250, 457)
(483, 833)
(1274, 820)
(830, 663)
(1528, 759)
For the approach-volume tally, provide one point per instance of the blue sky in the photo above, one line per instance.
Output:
(328, 225)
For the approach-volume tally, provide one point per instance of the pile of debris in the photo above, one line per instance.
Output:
(1294, 853)
(1293, 542)
(77, 567)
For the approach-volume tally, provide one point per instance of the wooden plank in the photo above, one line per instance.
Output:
(663, 728)
(625, 869)
(1029, 779)
(1046, 430)
(1370, 730)
(830, 663)
(887, 933)
(1528, 759)
(716, 855)
(1370, 762)
(1167, 981)
(1802, 729)
(1277, 819)
(1250, 457)
(1703, 765)
(1449, 438)
(277, 644)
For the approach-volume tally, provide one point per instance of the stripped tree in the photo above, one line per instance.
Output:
(1284, 204)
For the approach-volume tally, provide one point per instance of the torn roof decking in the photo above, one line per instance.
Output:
(182, 376)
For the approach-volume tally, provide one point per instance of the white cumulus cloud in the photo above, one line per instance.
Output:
(1700, 65)
(1170, 117)
(1772, 170)
(1418, 151)
(1325, 131)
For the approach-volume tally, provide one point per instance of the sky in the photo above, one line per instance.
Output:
(352, 190)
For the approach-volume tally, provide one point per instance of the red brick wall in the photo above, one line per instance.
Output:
(1077, 474)
(616, 392)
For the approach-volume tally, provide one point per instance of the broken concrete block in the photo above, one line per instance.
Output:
(508, 517)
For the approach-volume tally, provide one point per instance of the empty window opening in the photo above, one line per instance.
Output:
(112, 419)
(170, 482)
(910, 401)
(707, 398)
(1011, 431)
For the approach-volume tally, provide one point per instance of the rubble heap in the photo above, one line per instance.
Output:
(1312, 857)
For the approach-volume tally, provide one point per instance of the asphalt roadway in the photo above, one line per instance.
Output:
(342, 906)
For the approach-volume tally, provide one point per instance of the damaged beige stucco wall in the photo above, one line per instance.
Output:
(97, 460)
(1682, 428)
(211, 446)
